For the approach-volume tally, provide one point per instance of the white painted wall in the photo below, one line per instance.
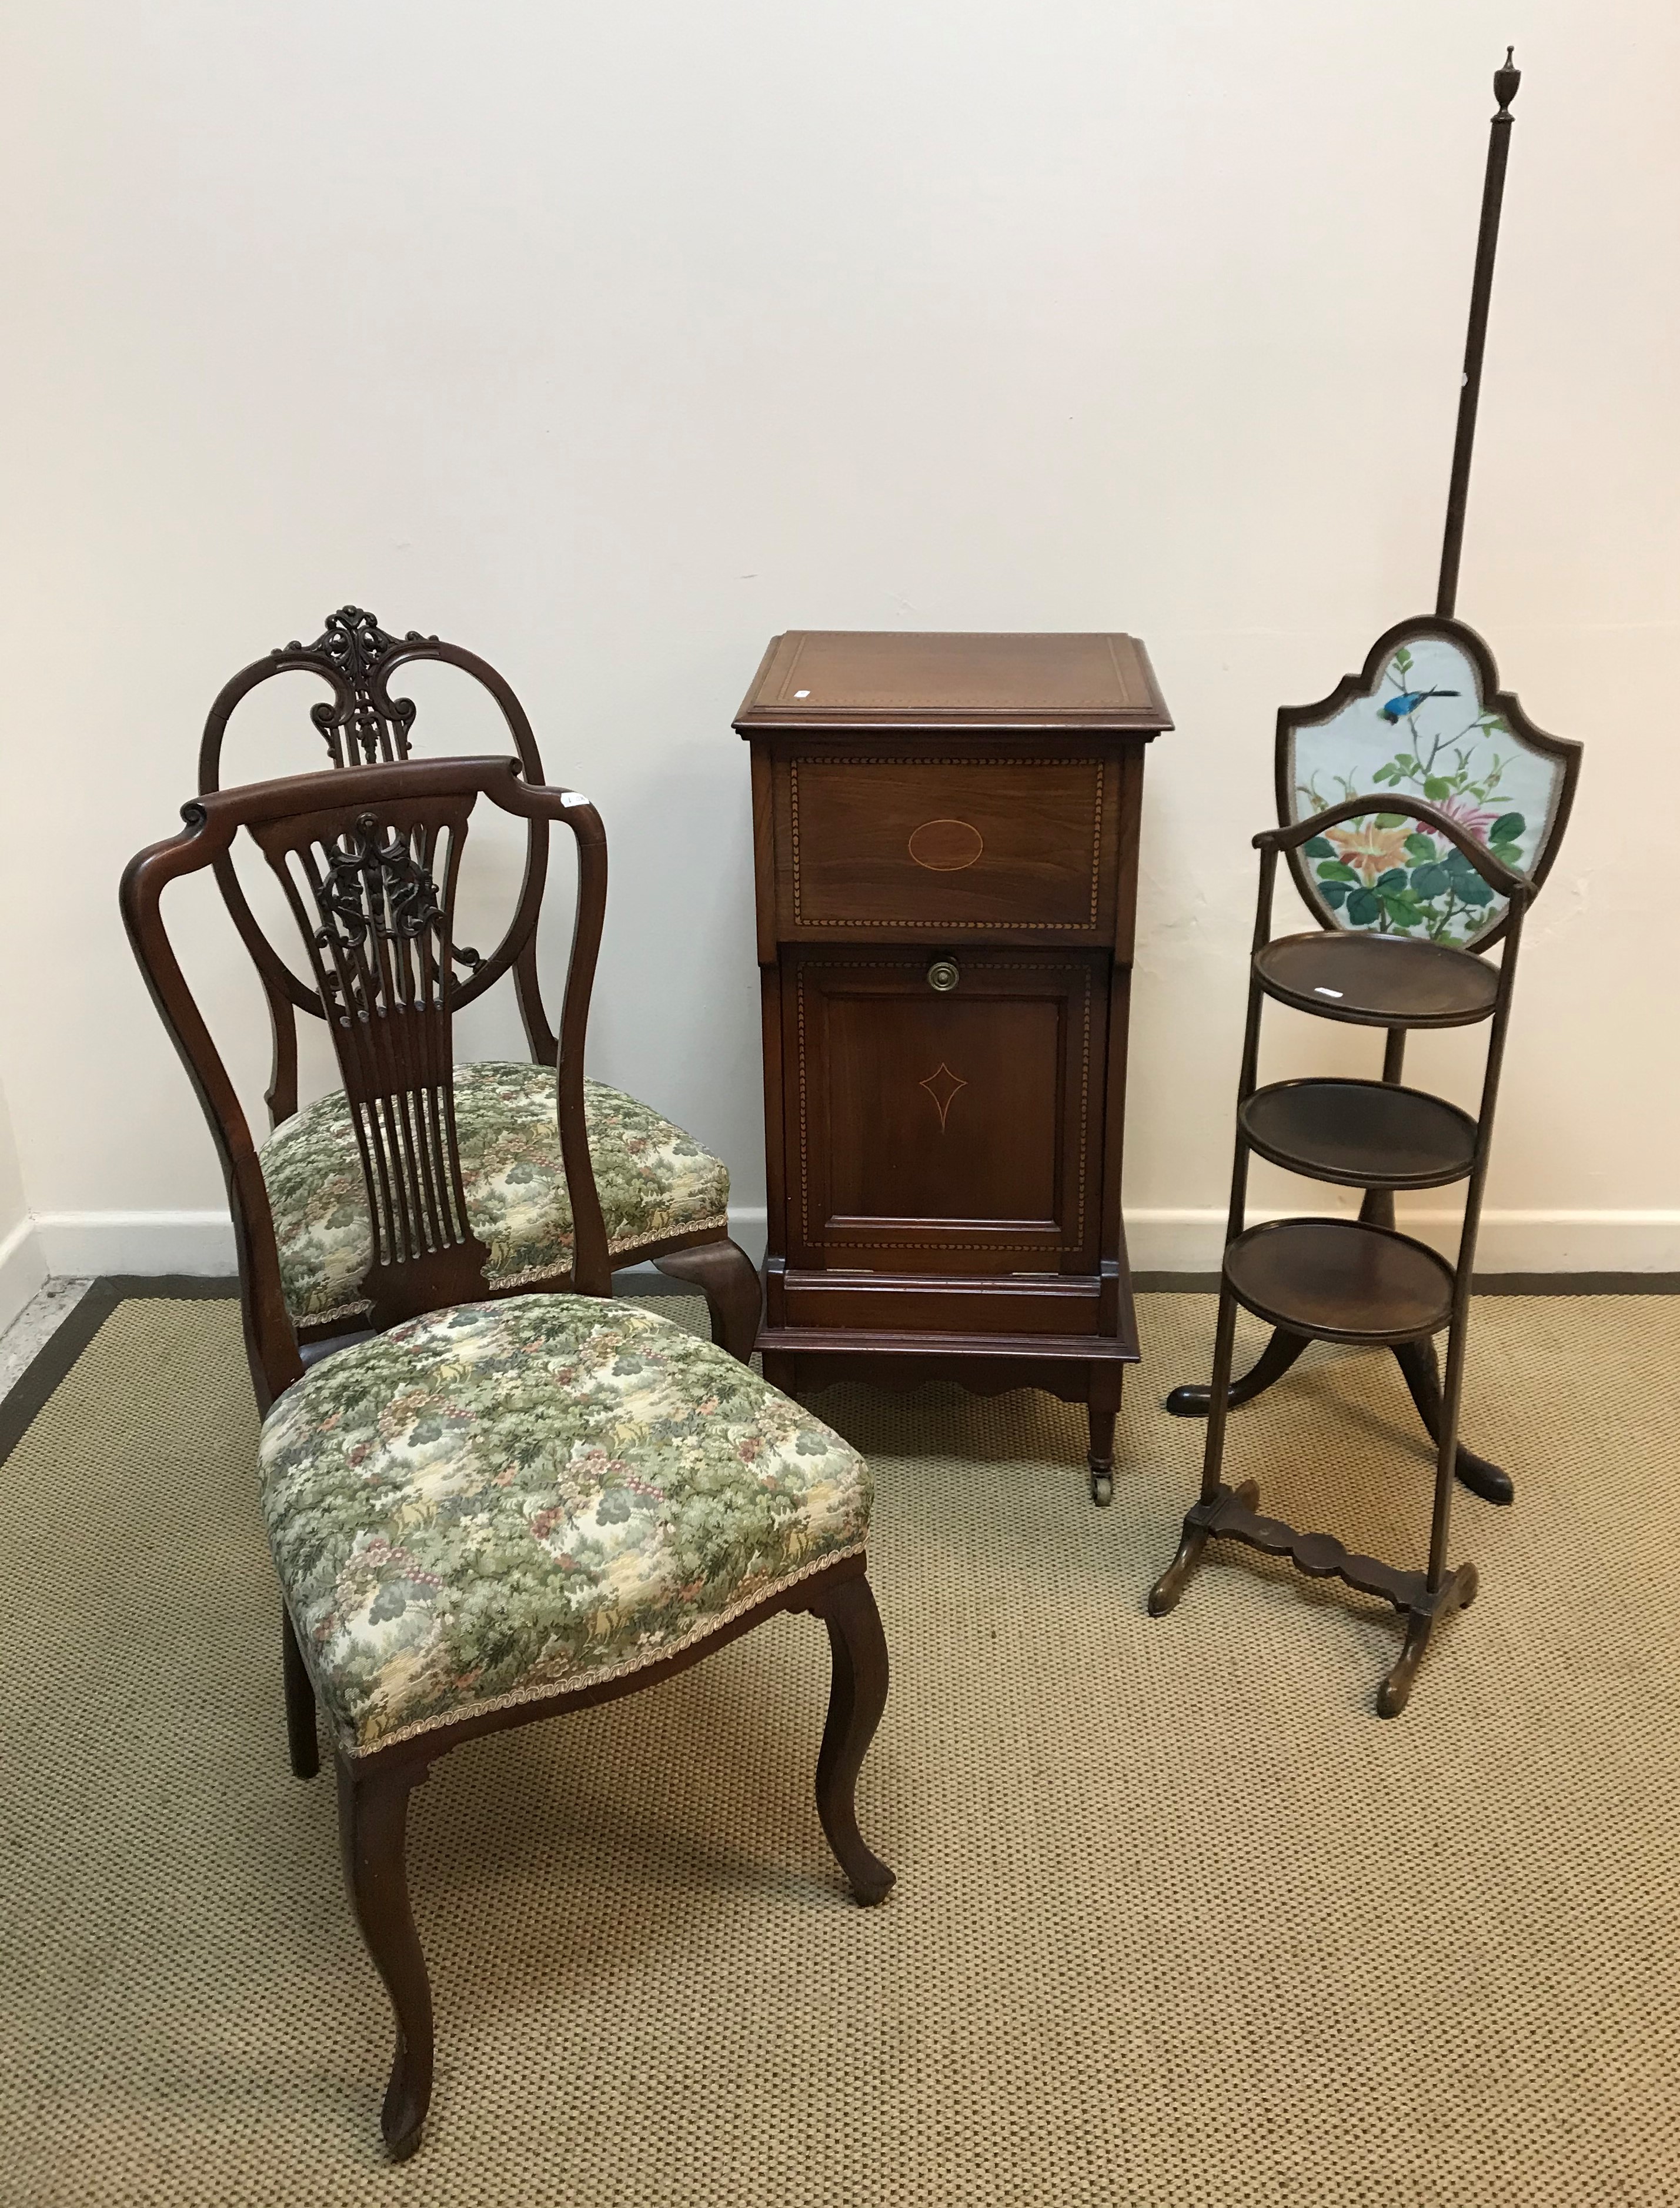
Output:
(611, 340)
(22, 1268)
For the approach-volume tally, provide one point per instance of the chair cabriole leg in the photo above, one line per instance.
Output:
(300, 1703)
(727, 1277)
(857, 1696)
(373, 1818)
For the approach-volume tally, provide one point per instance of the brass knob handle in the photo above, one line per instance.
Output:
(943, 975)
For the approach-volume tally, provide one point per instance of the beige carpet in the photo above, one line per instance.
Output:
(1179, 1919)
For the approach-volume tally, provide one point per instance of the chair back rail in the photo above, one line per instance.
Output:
(363, 724)
(369, 858)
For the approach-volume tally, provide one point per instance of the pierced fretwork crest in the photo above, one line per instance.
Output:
(377, 887)
(363, 724)
(381, 922)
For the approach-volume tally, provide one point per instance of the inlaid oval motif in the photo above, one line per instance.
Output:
(945, 846)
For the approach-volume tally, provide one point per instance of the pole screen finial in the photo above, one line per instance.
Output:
(1505, 82)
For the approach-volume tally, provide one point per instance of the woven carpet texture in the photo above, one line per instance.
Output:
(1179, 1919)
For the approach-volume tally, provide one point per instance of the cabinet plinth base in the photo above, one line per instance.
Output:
(1231, 1515)
(846, 1344)
(954, 1307)
(1084, 1369)
(1088, 1368)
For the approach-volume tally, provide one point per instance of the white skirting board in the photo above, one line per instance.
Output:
(149, 1243)
(23, 1266)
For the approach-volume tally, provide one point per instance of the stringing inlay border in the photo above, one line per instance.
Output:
(913, 966)
(1087, 926)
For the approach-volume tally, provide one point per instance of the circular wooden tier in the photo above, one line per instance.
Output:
(1338, 1279)
(1377, 981)
(1368, 1134)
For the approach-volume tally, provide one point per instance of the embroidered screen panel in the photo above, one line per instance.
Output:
(1424, 720)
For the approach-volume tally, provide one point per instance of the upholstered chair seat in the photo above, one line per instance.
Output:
(495, 1501)
(654, 1181)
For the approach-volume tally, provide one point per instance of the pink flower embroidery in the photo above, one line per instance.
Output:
(1369, 849)
(1468, 814)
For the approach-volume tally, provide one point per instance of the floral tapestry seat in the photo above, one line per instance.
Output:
(500, 1499)
(654, 1181)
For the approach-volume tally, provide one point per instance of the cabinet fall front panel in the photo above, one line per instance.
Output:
(945, 1125)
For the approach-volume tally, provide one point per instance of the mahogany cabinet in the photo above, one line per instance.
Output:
(945, 839)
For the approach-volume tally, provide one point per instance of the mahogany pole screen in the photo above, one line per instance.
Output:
(1426, 719)
(1420, 811)
(1505, 83)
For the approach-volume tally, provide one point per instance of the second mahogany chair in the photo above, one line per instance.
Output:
(664, 1197)
(488, 1511)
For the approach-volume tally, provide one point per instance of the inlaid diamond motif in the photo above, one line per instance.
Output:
(942, 1085)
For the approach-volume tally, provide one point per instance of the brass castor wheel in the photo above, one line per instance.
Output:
(1102, 1489)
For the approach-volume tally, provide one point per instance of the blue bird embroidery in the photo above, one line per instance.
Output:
(1408, 702)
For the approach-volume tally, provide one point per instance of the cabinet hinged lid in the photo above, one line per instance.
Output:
(815, 679)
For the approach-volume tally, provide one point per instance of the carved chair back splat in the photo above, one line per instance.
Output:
(369, 858)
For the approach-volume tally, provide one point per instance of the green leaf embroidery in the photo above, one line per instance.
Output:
(1436, 789)
(1395, 878)
(1319, 847)
(1422, 849)
(1363, 908)
(1507, 828)
(1336, 870)
(1431, 881)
